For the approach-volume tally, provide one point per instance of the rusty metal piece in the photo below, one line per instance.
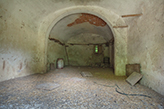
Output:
(131, 15)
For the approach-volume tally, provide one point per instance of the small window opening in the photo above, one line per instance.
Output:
(96, 49)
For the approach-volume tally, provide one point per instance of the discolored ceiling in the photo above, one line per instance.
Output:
(81, 25)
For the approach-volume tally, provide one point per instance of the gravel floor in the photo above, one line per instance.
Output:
(101, 91)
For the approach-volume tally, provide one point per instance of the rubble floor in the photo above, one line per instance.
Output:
(103, 90)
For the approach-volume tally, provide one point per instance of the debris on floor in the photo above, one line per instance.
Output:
(48, 86)
(122, 93)
(77, 92)
(75, 79)
(86, 74)
(134, 78)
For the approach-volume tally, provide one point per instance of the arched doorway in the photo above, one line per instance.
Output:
(81, 39)
(112, 19)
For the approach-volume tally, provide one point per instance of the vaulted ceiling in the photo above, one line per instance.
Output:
(81, 25)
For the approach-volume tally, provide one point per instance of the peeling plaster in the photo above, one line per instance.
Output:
(92, 19)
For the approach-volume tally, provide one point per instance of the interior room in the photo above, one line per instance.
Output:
(87, 54)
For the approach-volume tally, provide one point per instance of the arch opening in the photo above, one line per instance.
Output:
(112, 19)
(79, 35)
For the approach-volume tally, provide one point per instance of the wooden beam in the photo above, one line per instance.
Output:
(132, 15)
(56, 40)
(86, 44)
(120, 26)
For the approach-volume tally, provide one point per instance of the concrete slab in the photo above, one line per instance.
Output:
(134, 78)
(86, 74)
(76, 79)
(47, 86)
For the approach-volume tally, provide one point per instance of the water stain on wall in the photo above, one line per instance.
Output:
(13, 69)
(3, 65)
(92, 19)
(20, 65)
(8, 68)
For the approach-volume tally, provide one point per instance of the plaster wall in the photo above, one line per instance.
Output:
(83, 55)
(54, 52)
(18, 40)
(146, 43)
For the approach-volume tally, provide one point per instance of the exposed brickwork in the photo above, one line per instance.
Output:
(92, 19)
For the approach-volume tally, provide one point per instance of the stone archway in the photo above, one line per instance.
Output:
(112, 19)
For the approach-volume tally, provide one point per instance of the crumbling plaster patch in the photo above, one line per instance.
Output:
(112, 19)
(92, 19)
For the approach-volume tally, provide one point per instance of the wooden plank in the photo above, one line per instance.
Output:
(120, 26)
(132, 15)
(67, 54)
(134, 78)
